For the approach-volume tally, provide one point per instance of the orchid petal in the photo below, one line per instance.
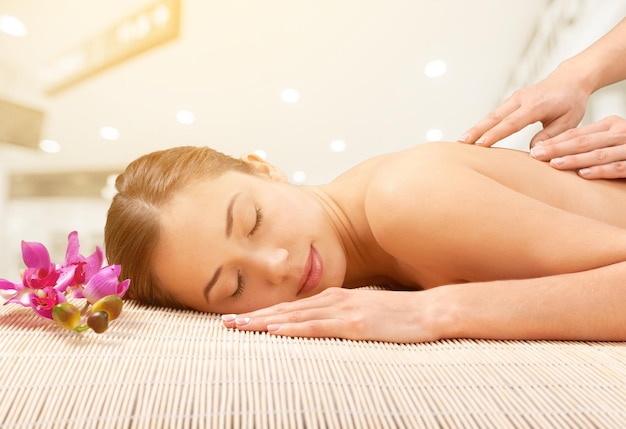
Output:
(94, 263)
(13, 292)
(72, 247)
(43, 302)
(7, 294)
(77, 292)
(22, 297)
(40, 278)
(66, 278)
(28, 274)
(9, 285)
(103, 283)
(35, 255)
(122, 288)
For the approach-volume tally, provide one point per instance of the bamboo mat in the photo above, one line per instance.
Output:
(158, 368)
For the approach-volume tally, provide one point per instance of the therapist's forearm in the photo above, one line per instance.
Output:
(602, 63)
(581, 306)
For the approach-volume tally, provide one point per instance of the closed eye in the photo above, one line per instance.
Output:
(240, 285)
(257, 223)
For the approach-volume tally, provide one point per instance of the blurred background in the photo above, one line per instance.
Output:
(314, 86)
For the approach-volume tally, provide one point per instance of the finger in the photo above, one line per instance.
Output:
(597, 157)
(613, 170)
(488, 122)
(551, 131)
(507, 126)
(316, 301)
(327, 328)
(260, 323)
(228, 320)
(581, 146)
(352, 329)
(569, 134)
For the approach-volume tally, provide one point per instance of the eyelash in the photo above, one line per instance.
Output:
(259, 220)
(240, 283)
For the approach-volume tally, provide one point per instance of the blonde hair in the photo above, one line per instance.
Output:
(132, 229)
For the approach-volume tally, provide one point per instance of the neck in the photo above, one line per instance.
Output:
(366, 262)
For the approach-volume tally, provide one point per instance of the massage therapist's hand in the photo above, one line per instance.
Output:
(558, 102)
(597, 151)
(357, 314)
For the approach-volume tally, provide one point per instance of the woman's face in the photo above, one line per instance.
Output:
(240, 242)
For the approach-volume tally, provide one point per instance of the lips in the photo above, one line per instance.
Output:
(312, 273)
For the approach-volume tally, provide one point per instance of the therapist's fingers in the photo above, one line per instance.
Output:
(596, 157)
(579, 141)
(556, 131)
(500, 123)
(613, 170)
(602, 163)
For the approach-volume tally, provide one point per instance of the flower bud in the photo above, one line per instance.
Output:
(112, 304)
(66, 315)
(98, 321)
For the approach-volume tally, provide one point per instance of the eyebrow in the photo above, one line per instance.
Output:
(229, 230)
(229, 215)
(211, 283)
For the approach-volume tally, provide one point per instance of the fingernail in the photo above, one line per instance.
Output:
(539, 143)
(556, 161)
(480, 141)
(463, 138)
(228, 317)
(584, 171)
(537, 152)
(241, 321)
(273, 328)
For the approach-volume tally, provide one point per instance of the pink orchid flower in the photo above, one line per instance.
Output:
(40, 271)
(105, 282)
(11, 291)
(44, 285)
(43, 301)
(40, 274)
(77, 270)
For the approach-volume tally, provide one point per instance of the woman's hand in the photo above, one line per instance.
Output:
(557, 102)
(356, 314)
(597, 150)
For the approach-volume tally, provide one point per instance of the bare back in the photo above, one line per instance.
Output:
(451, 213)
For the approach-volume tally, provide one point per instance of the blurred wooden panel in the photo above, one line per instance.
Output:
(90, 184)
(150, 27)
(20, 125)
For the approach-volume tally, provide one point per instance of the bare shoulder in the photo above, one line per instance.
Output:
(434, 205)
(398, 178)
(412, 192)
(434, 169)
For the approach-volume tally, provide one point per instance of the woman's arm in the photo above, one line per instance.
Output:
(588, 305)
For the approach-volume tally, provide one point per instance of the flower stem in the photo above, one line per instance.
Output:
(85, 308)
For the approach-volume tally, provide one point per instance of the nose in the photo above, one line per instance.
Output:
(273, 264)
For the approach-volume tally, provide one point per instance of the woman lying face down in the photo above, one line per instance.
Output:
(494, 243)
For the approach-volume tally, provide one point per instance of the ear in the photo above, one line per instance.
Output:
(264, 168)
